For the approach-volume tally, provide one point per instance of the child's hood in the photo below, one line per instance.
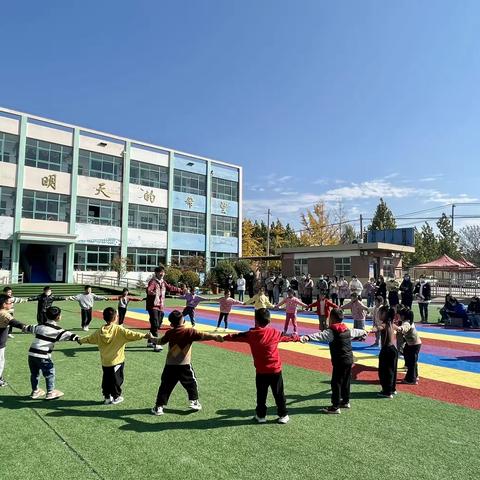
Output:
(107, 333)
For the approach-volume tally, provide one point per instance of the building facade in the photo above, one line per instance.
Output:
(72, 199)
(365, 260)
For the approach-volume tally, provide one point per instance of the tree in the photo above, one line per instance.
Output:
(190, 278)
(121, 265)
(222, 271)
(251, 244)
(348, 235)
(470, 243)
(426, 247)
(448, 239)
(173, 275)
(317, 228)
(383, 218)
(242, 267)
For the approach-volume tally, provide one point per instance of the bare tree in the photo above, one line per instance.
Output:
(470, 243)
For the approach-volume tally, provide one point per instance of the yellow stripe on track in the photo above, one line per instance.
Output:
(431, 372)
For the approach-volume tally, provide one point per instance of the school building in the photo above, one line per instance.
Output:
(72, 199)
(365, 260)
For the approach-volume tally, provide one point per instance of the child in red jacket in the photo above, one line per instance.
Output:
(323, 306)
(263, 341)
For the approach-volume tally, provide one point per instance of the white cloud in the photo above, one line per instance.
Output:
(392, 175)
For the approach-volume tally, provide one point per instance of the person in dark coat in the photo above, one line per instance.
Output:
(406, 290)
(381, 287)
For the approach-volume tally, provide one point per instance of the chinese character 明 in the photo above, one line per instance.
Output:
(224, 207)
(189, 201)
(149, 196)
(50, 181)
(101, 189)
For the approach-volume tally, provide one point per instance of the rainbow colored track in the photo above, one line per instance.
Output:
(449, 364)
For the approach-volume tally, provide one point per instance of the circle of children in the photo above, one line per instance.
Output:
(393, 326)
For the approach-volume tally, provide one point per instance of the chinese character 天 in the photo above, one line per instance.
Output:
(224, 207)
(189, 201)
(101, 190)
(50, 181)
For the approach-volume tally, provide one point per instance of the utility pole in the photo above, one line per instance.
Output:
(453, 215)
(361, 226)
(268, 236)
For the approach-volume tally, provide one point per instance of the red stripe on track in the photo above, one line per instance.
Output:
(443, 391)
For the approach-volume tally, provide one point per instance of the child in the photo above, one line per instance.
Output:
(412, 346)
(6, 321)
(260, 300)
(178, 366)
(359, 311)
(192, 302)
(339, 337)
(9, 293)
(40, 352)
(85, 300)
(323, 305)
(387, 360)
(45, 300)
(343, 290)
(263, 341)
(123, 300)
(111, 340)
(291, 303)
(226, 303)
(376, 322)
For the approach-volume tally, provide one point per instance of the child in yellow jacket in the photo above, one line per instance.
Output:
(111, 340)
(260, 300)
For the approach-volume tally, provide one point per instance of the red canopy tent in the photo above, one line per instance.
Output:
(443, 267)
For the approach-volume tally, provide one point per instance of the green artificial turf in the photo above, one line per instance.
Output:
(78, 437)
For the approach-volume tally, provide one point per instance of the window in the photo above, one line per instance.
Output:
(224, 226)
(147, 218)
(8, 148)
(192, 258)
(188, 182)
(146, 259)
(7, 201)
(216, 257)
(300, 267)
(388, 268)
(99, 165)
(343, 266)
(96, 211)
(46, 206)
(224, 189)
(188, 222)
(5, 254)
(50, 156)
(148, 175)
(94, 257)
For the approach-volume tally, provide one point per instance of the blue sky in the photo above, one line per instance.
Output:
(341, 101)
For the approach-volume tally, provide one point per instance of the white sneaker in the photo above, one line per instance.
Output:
(85, 329)
(157, 348)
(224, 329)
(11, 336)
(157, 411)
(108, 401)
(117, 400)
(260, 419)
(283, 420)
(37, 393)
(195, 405)
(53, 395)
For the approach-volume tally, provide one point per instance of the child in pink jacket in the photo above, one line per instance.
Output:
(291, 304)
(226, 303)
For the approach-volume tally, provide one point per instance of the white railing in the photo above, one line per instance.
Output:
(460, 289)
(8, 280)
(105, 281)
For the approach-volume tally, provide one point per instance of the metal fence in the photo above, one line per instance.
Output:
(8, 280)
(458, 289)
(106, 281)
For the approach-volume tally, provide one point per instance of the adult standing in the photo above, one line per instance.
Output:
(423, 293)
(277, 288)
(381, 287)
(301, 288)
(322, 286)
(371, 289)
(294, 285)
(392, 288)
(308, 289)
(230, 285)
(250, 284)
(269, 285)
(355, 286)
(241, 285)
(155, 301)
(343, 290)
(334, 290)
(406, 290)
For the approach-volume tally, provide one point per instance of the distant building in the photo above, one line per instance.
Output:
(364, 260)
(72, 199)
